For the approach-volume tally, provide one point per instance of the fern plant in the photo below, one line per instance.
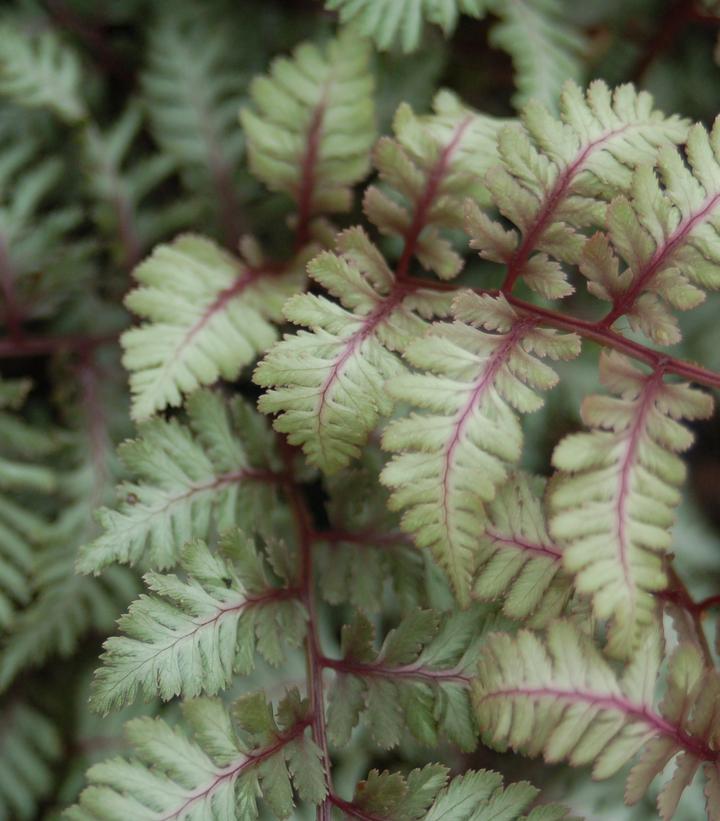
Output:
(396, 423)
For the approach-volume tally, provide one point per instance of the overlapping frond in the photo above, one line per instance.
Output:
(192, 633)
(208, 314)
(666, 232)
(120, 186)
(193, 86)
(311, 134)
(449, 460)
(546, 51)
(419, 679)
(557, 175)
(30, 747)
(218, 472)
(612, 505)
(40, 71)
(432, 165)
(428, 794)
(328, 383)
(389, 22)
(517, 559)
(559, 697)
(219, 775)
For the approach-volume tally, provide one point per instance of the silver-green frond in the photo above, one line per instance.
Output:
(450, 459)
(666, 233)
(431, 166)
(328, 383)
(207, 315)
(389, 22)
(193, 633)
(557, 696)
(217, 775)
(612, 506)
(418, 680)
(313, 124)
(557, 175)
(40, 71)
(518, 562)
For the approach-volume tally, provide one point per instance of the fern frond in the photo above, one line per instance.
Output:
(218, 775)
(120, 185)
(556, 176)
(217, 472)
(314, 126)
(517, 559)
(666, 233)
(389, 22)
(193, 634)
(449, 460)
(418, 680)
(545, 50)
(612, 505)
(193, 86)
(329, 383)
(559, 697)
(30, 748)
(208, 315)
(432, 165)
(40, 71)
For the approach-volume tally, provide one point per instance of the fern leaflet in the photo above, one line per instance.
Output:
(612, 505)
(192, 635)
(450, 459)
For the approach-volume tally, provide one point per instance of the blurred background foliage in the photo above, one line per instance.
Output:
(135, 137)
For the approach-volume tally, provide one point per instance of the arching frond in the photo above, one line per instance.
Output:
(430, 168)
(40, 71)
(30, 748)
(315, 124)
(401, 21)
(517, 559)
(612, 505)
(666, 233)
(419, 679)
(219, 774)
(450, 459)
(545, 49)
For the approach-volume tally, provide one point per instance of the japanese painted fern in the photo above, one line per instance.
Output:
(363, 568)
